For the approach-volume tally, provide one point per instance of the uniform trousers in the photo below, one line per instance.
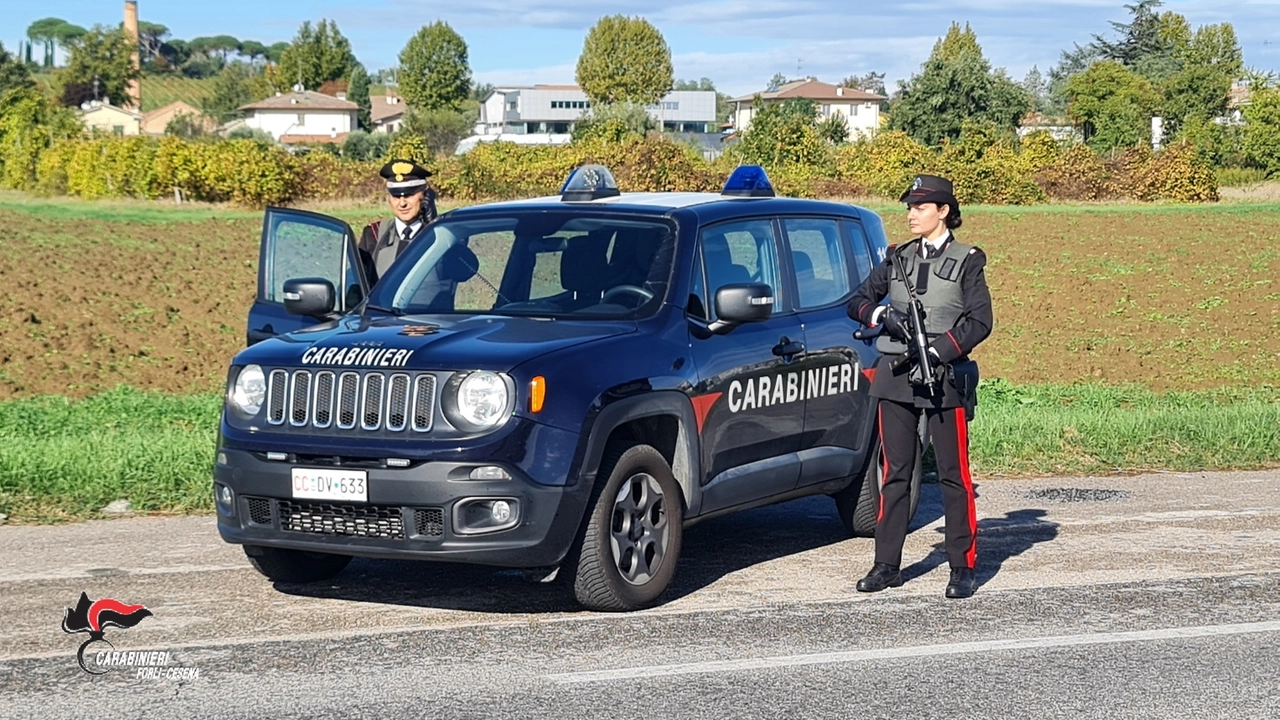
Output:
(898, 423)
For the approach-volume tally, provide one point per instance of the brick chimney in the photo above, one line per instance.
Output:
(131, 29)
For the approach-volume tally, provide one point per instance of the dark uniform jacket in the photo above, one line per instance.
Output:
(381, 235)
(437, 290)
(952, 346)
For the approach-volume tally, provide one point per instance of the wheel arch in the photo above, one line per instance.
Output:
(664, 420)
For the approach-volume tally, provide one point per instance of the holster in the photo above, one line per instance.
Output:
(963, 376)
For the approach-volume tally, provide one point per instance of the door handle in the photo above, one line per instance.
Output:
(787, 347)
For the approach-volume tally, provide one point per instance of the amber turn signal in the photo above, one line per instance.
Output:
(537, 393)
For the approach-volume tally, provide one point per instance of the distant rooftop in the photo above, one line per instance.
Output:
(305, 100)
(812, 89)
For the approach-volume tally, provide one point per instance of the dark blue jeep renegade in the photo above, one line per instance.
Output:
(559, 384)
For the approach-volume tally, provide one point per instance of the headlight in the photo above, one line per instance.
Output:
(249, 390)
(478, 400)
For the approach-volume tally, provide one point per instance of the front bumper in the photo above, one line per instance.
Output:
(410, 513)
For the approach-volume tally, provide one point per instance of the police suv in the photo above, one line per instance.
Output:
(559, 384)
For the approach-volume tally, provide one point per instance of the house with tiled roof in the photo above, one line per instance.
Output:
(302, 116)
(860, 109)
(386, 112)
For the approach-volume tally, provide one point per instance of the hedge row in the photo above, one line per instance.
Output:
(985, 167)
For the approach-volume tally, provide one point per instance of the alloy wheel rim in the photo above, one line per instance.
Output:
(638, 529)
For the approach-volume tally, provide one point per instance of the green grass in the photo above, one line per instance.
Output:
(1048, 429)
(64, 460)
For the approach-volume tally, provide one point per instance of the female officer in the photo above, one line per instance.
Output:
(948, 278)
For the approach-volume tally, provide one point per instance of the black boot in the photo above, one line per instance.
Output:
(962, 583)
(881, 576)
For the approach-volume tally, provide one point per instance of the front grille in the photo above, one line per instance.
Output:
(376, 521)
(429, 521)
(369, 401)
(260, 510)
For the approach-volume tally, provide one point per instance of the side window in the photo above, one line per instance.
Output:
(861, 250)
(742, 251)
(305, 248)
(818, 256)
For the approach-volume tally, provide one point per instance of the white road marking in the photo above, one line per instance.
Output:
(979, 646)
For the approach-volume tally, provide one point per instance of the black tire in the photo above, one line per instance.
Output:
(859, 504)
(294, 566)
(627, 551)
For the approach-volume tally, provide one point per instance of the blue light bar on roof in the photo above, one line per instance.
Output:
(748, 181)
(589, 182)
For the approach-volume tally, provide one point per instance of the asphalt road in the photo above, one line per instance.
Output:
(1155, 596)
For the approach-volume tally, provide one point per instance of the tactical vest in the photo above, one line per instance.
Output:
(937, 284)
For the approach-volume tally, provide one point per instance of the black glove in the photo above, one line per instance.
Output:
(896, 324)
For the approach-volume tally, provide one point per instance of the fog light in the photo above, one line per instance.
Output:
(222, 458)
(475, 516)
(225, 496)
(277, 456)
(397, 462)
(489, 472)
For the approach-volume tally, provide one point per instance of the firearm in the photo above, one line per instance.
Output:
(917, 344)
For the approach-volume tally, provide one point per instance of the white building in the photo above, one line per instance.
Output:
(303, 116)
(98, 115)
(554, 109)
(860, 109)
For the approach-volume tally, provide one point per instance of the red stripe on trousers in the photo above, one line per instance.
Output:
(962, 437)
(884, 457)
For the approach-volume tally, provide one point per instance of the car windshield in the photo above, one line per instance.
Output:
(534, 262)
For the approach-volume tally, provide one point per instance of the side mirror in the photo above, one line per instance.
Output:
(741, 303)
(313, 297)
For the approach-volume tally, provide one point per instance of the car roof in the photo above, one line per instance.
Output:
(709, 207)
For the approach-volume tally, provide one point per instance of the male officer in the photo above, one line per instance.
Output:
(413, 203)
(949, 278)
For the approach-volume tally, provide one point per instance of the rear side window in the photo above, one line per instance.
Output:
(818, 256)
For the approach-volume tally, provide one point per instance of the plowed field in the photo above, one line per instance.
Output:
(1169, 298)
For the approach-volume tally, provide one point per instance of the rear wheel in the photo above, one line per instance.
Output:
(295, 566)
(859, 504)
(627, 553)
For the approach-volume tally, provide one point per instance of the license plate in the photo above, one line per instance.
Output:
(324, 484)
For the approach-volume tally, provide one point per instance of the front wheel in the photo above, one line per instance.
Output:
(627, 553)
(295, 566)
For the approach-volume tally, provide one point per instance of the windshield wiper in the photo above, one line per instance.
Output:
(379, 308)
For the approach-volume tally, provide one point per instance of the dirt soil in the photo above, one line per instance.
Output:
(1172, 299)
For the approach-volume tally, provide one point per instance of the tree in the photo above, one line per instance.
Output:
(1138, 37)
(1262, 129)
(1113, 104)
(276, 51)
(14, 74)
(1035, 86)
(480, 91)
(624, 60)
(229, 90)
(52, 32)
(872, 82)
(442, 127)
(102, 55)
(775, 82)
(252, 49)
(358, 93)
(434, 73)
(783, 133)
(956, 83)
(151, 38)
(317, 56)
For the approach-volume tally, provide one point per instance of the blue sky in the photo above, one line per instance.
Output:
(739, 45)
